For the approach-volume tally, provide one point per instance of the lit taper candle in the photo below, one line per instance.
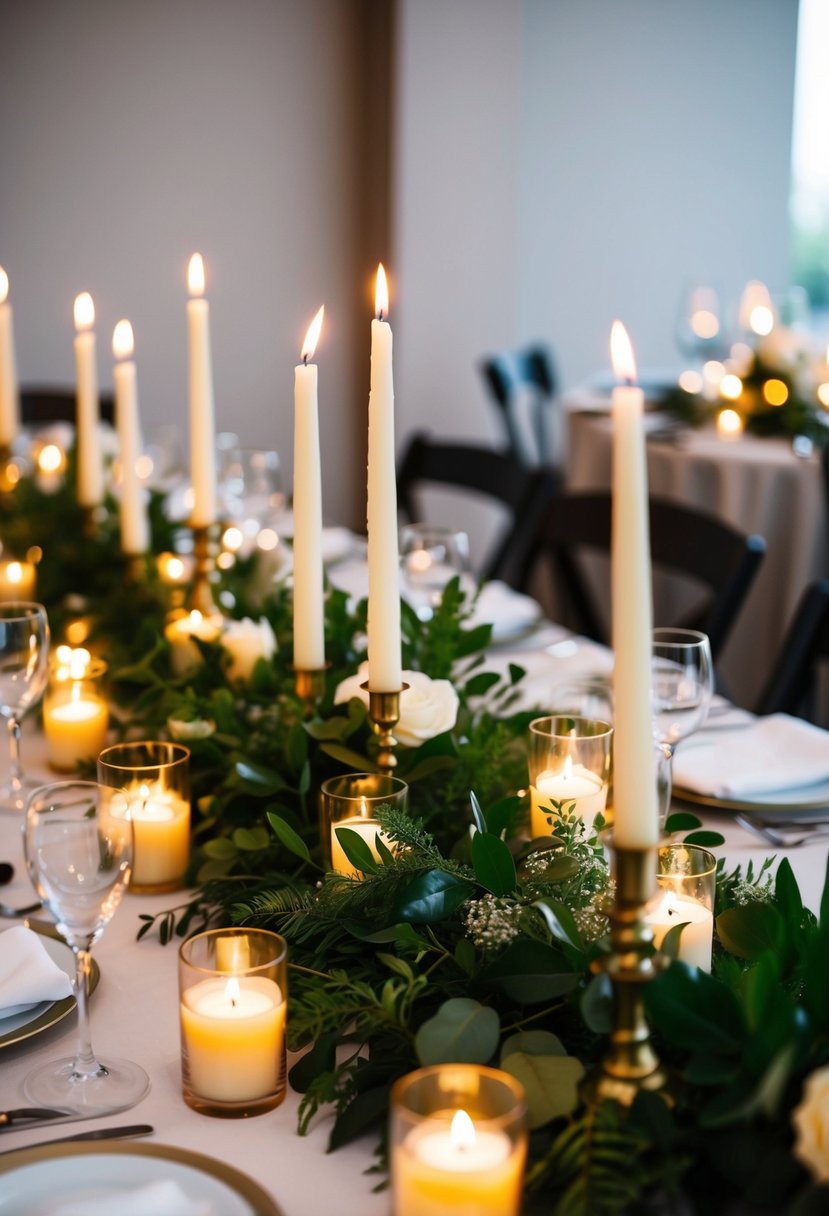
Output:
(309, 628)
(135, 537)
(384, 661)
(634, 778)
(200, 383)
(90, 473)
(9, 396)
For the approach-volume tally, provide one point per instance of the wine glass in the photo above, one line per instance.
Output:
(682, 685)
(24, 671)
(699, 327)
(430, 557)
(78, 847)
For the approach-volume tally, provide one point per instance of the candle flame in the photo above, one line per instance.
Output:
(567, 769)
(232, 991)
(50, 458)
(313, 336)
(4, 286)
(462, 1131)
(14, 572)
(381, 293)
(195, 275)
(84, 311)
(123, 343)
(621, 354)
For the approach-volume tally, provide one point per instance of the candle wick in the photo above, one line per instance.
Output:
(380, 315)
(305, 360)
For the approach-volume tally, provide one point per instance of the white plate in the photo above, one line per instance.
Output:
(40, 1017)
(36, 1181)
(807, 803)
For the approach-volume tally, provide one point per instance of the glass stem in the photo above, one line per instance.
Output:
(85, 1064)
(664, 780)
(16, 779)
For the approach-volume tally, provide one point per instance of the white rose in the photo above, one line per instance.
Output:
(427, 707)
(246, 641)
(198, 728)
(811, 1124)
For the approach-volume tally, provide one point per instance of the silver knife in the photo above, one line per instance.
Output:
(104, 1133)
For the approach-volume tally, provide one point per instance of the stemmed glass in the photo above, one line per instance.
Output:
(699, 327)
(682, 684)
(430, 557)
(24, 671)
(78, 846)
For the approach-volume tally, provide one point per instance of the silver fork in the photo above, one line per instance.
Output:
(12, 913)
(782, 836)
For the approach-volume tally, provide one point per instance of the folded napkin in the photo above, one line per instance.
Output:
(772, 753)
(507, 611)
(163, 1198)
(27, 973)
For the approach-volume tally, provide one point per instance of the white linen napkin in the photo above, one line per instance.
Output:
(507, 611)
(772, 753)
(27, 973)
(162, 1198)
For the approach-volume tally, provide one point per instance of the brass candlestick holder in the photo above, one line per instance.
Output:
(384, 714)
(309, 684)
(631, 1064)
(205, 570)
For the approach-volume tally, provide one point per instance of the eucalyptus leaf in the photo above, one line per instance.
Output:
(681, 821)
(705, 839)
(530, 972)
(462, 1032)
(432, 896)
(748, 931)
(597, 1004)
(533, 1043)
(220, 849)
(550, 1083)
(286, 834)
(493, 863)
(258, 778)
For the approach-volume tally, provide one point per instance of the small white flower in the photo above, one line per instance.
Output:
(427, 707)
(198, 728)
(811, 1124)
(246, 641)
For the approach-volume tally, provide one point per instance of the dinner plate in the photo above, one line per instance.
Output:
(36, 1181)
(802, 805)
(47, 1013)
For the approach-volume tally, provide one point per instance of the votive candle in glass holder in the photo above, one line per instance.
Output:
(458, 1142)
(17, 580)
(75, 711)
(181, 628)
(570, 761)
(686, 880)
(350, 801)
(156, 780)
(233, 1001)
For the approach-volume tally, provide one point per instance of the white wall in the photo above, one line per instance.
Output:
(134, 133)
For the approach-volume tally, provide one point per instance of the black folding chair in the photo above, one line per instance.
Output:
(39, 406)
(525, 375)
(485, 472)
(791, 685)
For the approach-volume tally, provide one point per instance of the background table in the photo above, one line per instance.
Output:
(757, 485)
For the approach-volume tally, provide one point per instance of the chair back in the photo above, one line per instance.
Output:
(486, 472)
(522, 386)
(683, 541)
(790, 686)
(42, 405)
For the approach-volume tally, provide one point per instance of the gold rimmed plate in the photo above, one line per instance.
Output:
(804, 804)
(48, 1013)
(34, 1179)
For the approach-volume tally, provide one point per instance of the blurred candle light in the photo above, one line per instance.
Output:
(309, 627)
(9, 395)
(90, 473)
(135, 533)
(202, 410)
(756, 312)
(731, 387)
(17, 581)
(729, 424)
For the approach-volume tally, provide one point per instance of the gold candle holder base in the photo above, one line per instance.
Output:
(205, 571)
(384, 714)
(631, 1064)
(309, 684)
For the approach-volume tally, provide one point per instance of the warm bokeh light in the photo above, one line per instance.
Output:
(761, 320)
(775, 392)
(713, 372)
(84, 311)
(50, 458)
(195, 275)
(729, 424)
(621, 354)
(267, 540)
(381, 294)
(144, 466)
(123, 343)
(313, 336)
(4, 286)
(823, 394)
(731, 387)
(232, 539)
(705, 324)
(226, 560)
(690, 381)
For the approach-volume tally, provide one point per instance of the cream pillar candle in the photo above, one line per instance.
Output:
(9, 396)
(90, 474)
(571, 785)
(135, 536)
(161, 828)
(75, 729)
(309, 627)
(696, 939)
(232, 1033)
(384, 660)
(634, 779)
(200, 386)
(447, 1166)
(179, 631)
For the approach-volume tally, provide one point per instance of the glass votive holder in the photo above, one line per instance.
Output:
(233, 999)
(586, 697)
(17, 581)
(180, 630)
(156, 780)
(350, 801)
(686, 878)
(458, 1142)
(570, 761)
(75, 710)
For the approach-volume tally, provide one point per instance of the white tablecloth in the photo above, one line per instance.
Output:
(757, 485)
(135, 1008)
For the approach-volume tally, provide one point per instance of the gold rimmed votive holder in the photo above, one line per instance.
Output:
(570, 761)
(458, 1142)
(630, 1064)
(686, 878)
(155, 776)
(384, 714)
(351, 801)
(75, 708)
(206, 546)
(233, 1000)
